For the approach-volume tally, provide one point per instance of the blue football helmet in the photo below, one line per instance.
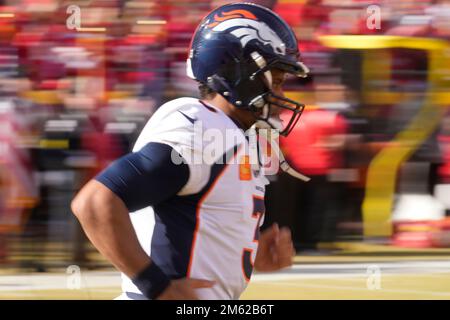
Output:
(232, 52)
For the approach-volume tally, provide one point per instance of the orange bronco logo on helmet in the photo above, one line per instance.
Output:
(245, 26)
(231, 15)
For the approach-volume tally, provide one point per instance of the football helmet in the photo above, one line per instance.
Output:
(232, 52)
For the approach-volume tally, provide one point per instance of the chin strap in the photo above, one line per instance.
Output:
(271, 136)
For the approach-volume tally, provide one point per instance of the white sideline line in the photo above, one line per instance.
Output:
(355, 270)
(89, 280)
(400, 264)
(339, 271)
(421, 292)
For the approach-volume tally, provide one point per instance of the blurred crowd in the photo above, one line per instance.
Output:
(74, 97)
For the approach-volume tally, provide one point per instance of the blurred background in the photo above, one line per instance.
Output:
(375, 135)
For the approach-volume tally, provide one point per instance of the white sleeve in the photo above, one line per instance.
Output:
(181, 134)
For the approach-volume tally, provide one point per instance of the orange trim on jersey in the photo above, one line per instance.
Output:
(197, 212)
(269, 150)
(245, 172)
(231, 15)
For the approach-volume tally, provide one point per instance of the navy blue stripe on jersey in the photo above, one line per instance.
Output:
(208, 107)
(176, 224)
(147, 177)
(135, 296)
(191, 120)
(247, 264)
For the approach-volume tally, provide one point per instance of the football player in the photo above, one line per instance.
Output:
(180, 228)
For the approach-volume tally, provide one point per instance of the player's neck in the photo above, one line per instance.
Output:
(230, 110)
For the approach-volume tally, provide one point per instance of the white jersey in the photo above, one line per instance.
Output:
(210, 229)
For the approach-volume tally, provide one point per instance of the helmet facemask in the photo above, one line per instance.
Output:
(261, 104)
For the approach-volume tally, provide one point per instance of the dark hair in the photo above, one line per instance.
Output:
(206, 92)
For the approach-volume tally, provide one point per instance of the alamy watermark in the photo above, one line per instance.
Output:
(373, 20)
(214, 146)
(73, 281)
(373, 273)
(73, 22)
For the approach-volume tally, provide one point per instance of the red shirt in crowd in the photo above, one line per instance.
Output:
(313, 145)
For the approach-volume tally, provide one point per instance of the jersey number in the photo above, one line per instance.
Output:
(258, 212)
